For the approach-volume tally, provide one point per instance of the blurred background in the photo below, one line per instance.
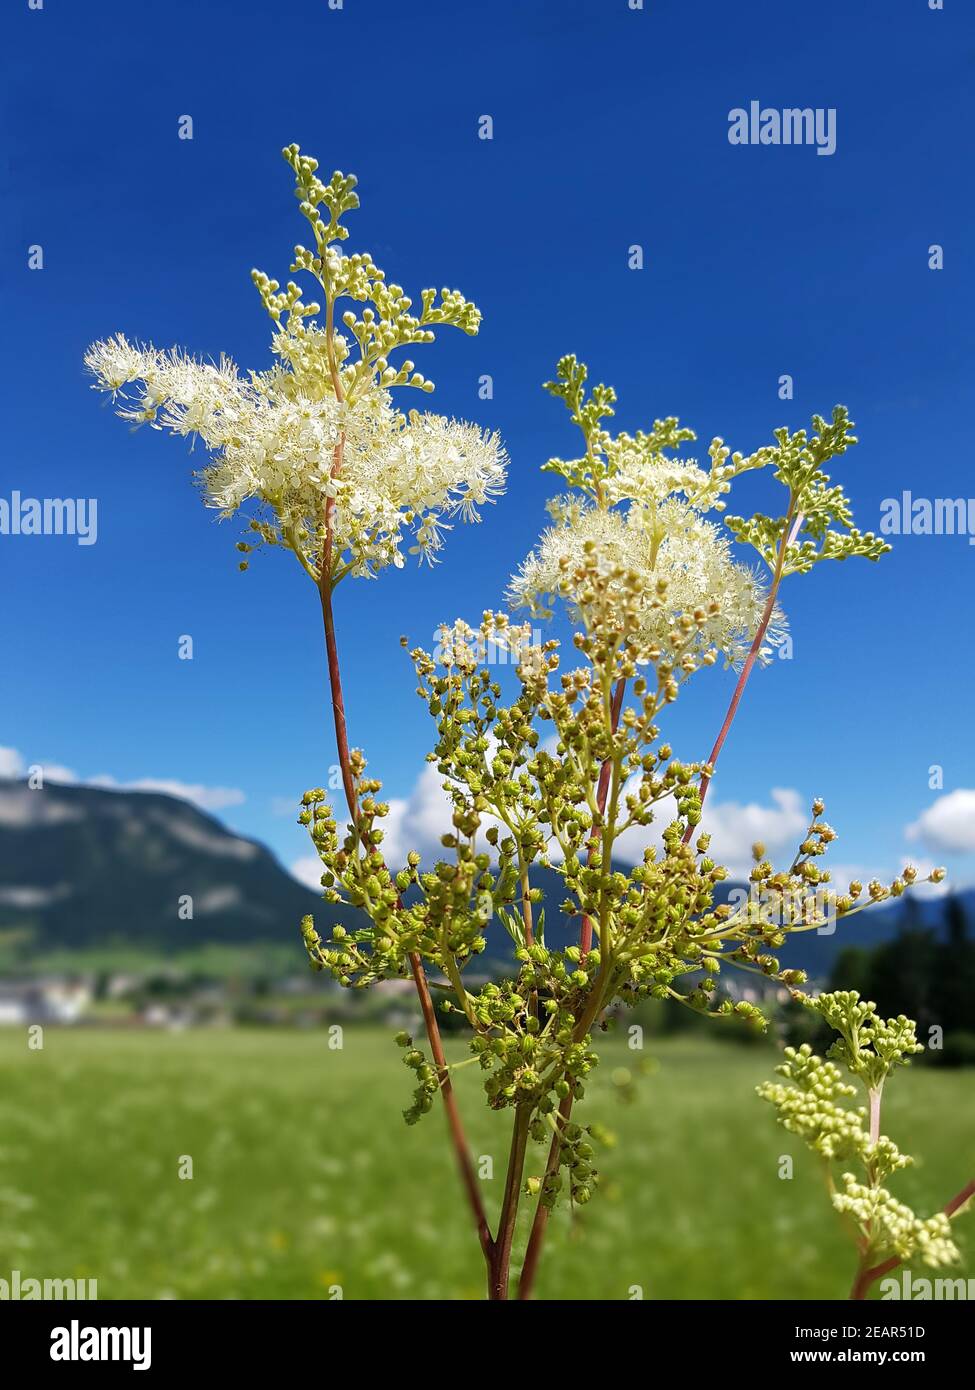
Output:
(771, 282)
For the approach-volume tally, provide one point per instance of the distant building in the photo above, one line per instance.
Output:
(47, 1000)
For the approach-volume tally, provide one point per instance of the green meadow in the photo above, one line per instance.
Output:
(306, 1179)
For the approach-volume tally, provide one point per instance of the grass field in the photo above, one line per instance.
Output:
(305, 1177)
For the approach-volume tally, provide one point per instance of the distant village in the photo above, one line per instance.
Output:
(175, 1001)
(172, 1001)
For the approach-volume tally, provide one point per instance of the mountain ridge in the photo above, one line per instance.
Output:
(84, 867)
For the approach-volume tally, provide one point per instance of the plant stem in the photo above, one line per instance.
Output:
(875, 1094)
(536, 1238)
(526, 906)
(602, 789)
(533, 1250)
(454, 1122)
(499, 1262)
(861, 1282)
(866, 1276)
(789, 533)
(455, 1125)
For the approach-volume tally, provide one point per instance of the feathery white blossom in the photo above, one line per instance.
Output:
(662, 538)
(272, 437)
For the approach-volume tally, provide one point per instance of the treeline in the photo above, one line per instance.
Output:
(927, 974)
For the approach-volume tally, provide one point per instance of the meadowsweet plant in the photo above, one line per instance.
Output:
(315, 452)
(813, 1102)
(556, 775)
(552, 767)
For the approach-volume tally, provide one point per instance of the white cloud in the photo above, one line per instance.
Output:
(206, 798)
(308, 870)
(57, 772)
(733, 828)
(418, 821)
(12, 764)
(948, 824)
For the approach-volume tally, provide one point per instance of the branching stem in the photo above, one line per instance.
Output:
(499, 1263)
(454, 1122)
(789, 533)
(536, 1238)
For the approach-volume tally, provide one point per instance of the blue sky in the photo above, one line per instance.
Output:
(610, 129)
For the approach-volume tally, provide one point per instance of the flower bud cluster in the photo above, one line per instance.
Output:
(819, 523)
(427, 1081)
(869, 1046)
(529, 1034)
(892, 1229)
(810, 1105)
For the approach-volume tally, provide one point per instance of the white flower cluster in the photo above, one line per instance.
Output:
(272, 437)
(890, 1226)
(638, 473)
(685, 562)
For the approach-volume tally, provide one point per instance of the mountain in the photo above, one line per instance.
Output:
(84, 867)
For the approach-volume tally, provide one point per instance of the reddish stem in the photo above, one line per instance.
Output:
(866, 1277)
(499, 1262)
(788, 536)
(454, 1122)
(533, 1250)
(458, 1138)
